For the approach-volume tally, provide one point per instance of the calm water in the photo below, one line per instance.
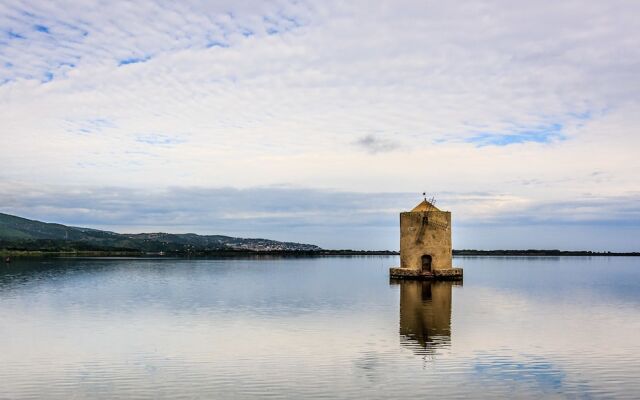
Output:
(319, 327)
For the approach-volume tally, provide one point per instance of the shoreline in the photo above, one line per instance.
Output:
(300, 253)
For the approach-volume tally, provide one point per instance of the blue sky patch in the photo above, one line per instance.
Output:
(294, 21)
(542, 134)
(582, 115)
(156, 139)
(215, 43)
(66, 64)
(48, 77)
(13, 35)
(281, 24)
(133, 60)
(90, 126)
(41, 28)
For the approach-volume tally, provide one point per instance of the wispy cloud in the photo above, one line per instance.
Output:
(375, 144)
(89, 125)
(156, 139)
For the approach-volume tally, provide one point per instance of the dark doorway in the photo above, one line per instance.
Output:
(426, 263)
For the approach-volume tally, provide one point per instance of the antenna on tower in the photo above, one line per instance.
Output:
(430, 203)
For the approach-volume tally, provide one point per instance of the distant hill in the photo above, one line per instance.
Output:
(18, 233)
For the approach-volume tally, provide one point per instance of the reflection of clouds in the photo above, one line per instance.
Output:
(369, 365)
(538, 373)
(187, 286)
(327, 328)
(533, 369)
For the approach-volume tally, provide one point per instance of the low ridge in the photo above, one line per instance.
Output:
(17, 233)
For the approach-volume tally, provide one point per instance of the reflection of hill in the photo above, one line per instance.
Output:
(425, 314)
(28, 271)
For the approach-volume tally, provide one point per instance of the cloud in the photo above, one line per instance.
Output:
(202, 207)
(330, 218)
(374, 144)
(156, 139)
(523, 102)
(89, 125)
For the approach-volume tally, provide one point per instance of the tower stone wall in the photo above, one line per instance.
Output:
(425, 233)
(425, 245)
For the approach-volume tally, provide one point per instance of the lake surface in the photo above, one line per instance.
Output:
(332, 327)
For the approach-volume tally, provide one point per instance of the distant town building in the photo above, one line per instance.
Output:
(425, 244)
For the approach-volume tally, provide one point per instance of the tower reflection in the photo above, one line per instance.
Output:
(425, 314)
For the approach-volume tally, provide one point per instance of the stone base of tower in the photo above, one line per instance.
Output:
(438, 274)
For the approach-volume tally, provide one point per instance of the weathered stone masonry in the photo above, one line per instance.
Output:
(425, 244)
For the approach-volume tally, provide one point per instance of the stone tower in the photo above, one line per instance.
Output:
(425, 244)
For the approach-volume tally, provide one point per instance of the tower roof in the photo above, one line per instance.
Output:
(425, 206)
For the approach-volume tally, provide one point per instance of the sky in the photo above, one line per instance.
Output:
(319, 121)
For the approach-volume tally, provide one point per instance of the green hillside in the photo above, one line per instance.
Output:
(21, 234)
